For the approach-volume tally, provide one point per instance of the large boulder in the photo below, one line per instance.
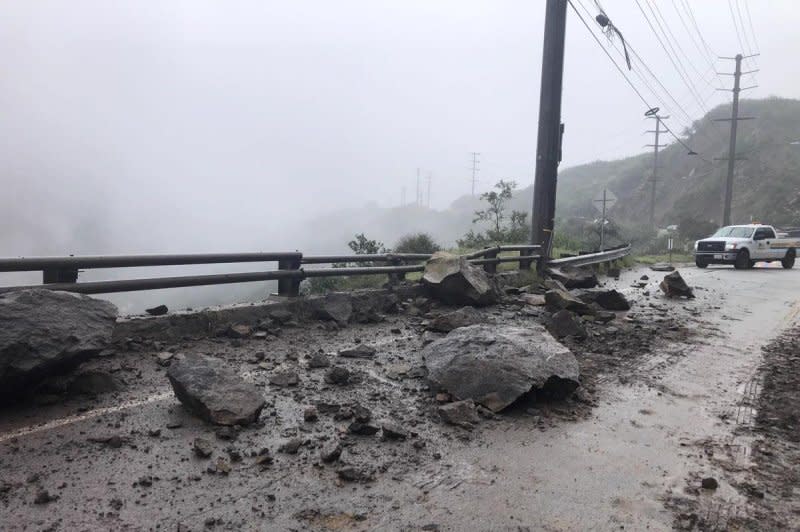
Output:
(495, 365)
(211, 390)
(561, 299)
(43, 332)
(336, 306)
(564, 323)
(455, 281)
(462, 317)
(574, 277)
(673, 285)
(607, 299)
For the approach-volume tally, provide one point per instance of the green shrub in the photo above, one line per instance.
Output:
(417, 243)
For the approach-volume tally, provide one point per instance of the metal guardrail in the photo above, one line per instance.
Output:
(61, 273)
(592, 258)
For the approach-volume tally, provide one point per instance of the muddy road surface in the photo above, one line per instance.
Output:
(674, 392)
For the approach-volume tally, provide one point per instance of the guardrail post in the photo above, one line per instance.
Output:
(59, 275)
(289, 287)
(490, 253)
(525, 264)
(396, 277)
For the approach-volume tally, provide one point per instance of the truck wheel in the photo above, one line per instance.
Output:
(788, 261)
(742, 260)
(701, 263)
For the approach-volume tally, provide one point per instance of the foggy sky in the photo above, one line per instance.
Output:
(210, 126)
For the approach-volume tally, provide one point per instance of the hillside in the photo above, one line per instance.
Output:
(766, 185)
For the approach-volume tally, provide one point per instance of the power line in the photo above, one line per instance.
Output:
(752, 29)
(703, 52)
(688, 7)
(638, 93)
(675, 64)
(739, 36)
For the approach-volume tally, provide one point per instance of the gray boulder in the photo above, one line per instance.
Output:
(336, 306)
(607, 299)
(460, 413)
(574, 278)
(673, 285)
(495, 365)
(211, 390)
(561, 299)
(564, 323)
(44, 333)
(462, 317)
(455, 281)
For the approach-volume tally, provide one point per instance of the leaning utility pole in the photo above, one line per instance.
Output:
(548, 142)
(655, 147)
(731, 158)
(475, 169)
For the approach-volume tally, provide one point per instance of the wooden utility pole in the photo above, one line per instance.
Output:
(551, 130)
(654, 179)
(731, 158)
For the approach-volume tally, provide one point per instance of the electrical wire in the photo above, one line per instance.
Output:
(703, 52)
(633, 87)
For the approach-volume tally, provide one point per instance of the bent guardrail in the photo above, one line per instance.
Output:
(592, 258)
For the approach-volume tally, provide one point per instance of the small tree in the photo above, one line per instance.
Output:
(416, 243)
(495, 213)
(361, 245)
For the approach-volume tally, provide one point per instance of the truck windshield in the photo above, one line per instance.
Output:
(734, 231)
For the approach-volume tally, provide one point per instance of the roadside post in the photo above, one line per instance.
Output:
(669, 247)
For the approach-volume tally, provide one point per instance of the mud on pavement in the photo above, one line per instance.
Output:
(326, 454)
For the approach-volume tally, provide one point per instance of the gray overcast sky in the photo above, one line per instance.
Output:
(164, 125)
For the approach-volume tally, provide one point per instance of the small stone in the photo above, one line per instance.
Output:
(353, 474)
(361, 413)
(392, 431)
(202, 448)
(160, 310)
(239, 331)
(44, 497)
(284, 379)
(220, 467)
(360, 351)
(164, 358)
(154, 433)
(709, 483)
(331, 452)
(291, 446)
(460, 413)
(310, 414)
(644, 278)
(318, 360)
(264, 458)
(362, 429)
(337, 375)
(226, 433)
(281, 316)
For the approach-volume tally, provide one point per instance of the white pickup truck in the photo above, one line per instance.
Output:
(744, 245)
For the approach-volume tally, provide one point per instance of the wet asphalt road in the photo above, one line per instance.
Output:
(640, 445)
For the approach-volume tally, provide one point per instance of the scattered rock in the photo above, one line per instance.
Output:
(284, 379)
(91, 382)
(310, 414)
(157, 311)
(454, 281)
(353, 474)
(281, 316)
(709, 483)
(114, 441)
(393, 431)
(164, 358)
(573, 278)
(337, 375)
(219, 467)
(564, 323)
(604, 317)
(644, 278)
(460, 413)
(264, 458)
(453, 320)
(318, 360)
(361, 413)
(612, 300)
(46, 333)
(561, 299)
(227, 433)
(362, 429)
(202, 448)
(614, 272)
(291, 446)
(535, 300)
(214, 392)
(331, 452)
(335, 306)
(662, 267)
(673, 285)
(238, 331)
(495, 365)
(44, 497)
(359, 351)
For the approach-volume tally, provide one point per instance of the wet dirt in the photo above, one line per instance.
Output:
(659, 383)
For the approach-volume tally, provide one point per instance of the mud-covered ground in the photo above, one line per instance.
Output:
(125, 459)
